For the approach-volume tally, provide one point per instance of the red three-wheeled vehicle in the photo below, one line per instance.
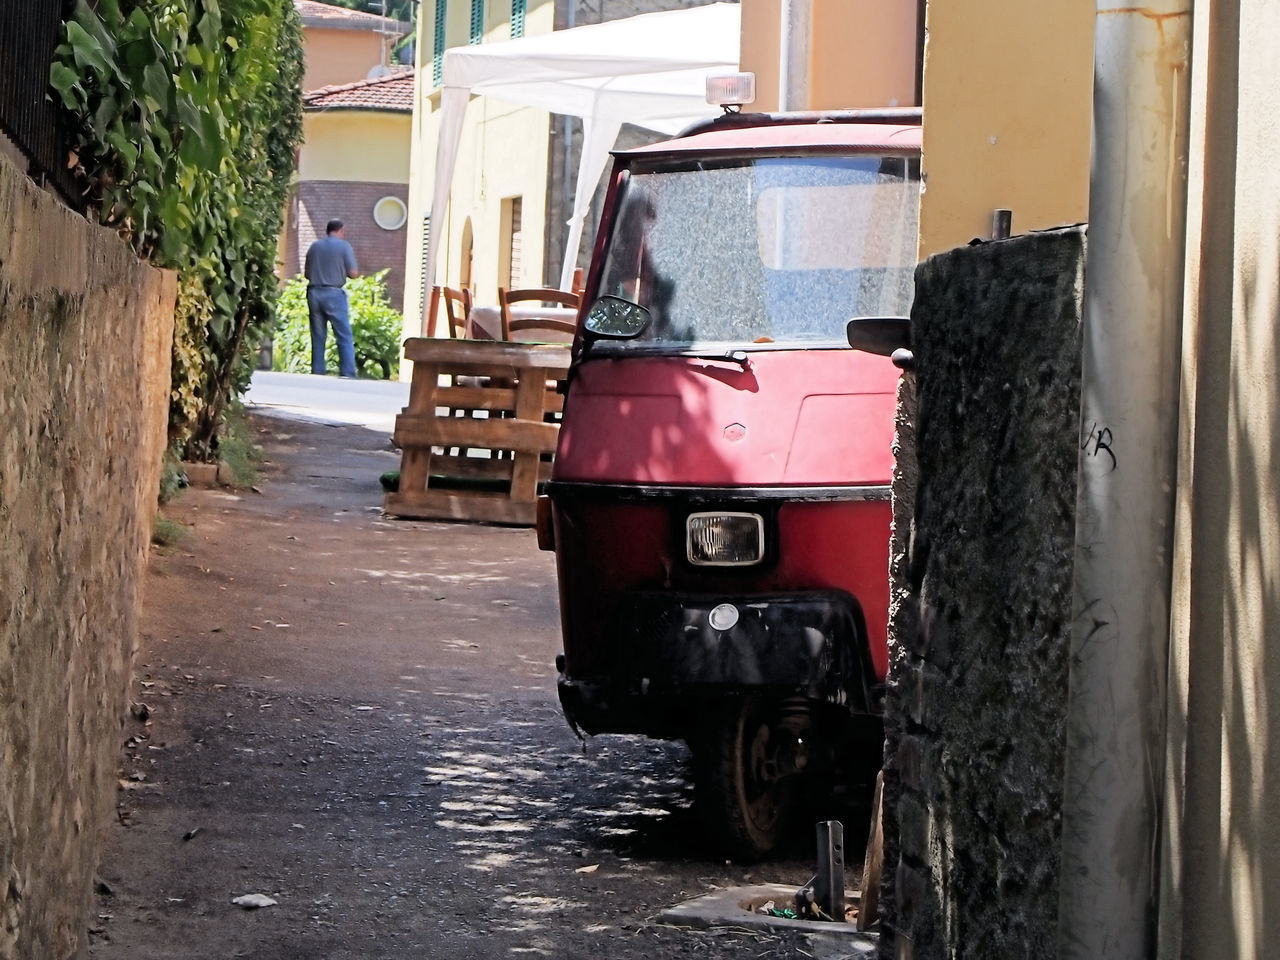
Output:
(719, 504)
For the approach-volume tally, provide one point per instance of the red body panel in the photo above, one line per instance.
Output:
(794, 417)
(606, 549)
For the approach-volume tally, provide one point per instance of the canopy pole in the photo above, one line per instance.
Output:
(598, 137)
(453, 110)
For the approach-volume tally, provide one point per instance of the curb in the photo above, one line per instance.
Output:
(732, 907)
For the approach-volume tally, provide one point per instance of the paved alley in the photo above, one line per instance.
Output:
(356, 717)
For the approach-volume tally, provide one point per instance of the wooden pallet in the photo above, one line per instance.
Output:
(480, 430)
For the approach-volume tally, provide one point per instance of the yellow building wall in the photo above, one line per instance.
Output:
(355, 145)
(339, 56)
(1008, 97)
(1222, 838)
(862, 52)
(502, 154)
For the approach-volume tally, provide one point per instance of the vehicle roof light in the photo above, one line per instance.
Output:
(731, 90)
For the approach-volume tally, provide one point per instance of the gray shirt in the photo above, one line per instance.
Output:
(329, 261)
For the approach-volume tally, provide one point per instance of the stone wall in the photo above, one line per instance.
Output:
(978, 683)
(85, 339)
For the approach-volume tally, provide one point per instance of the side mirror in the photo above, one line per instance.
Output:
(882, 336)
(616, 319)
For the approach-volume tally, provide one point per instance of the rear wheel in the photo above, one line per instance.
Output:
(745, 761)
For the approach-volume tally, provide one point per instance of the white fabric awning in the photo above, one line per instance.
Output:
(648, 70)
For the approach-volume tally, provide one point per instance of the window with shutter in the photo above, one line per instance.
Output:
(437, 50)
(516, 213)
(477, 21)
(422, 265)
(517, 18)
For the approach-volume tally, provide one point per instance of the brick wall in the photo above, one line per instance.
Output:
(85, 340)
(319, 201)
(977, 696)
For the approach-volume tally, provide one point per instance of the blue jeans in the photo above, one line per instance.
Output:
(329, 305)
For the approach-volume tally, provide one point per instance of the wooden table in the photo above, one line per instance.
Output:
(480, 430)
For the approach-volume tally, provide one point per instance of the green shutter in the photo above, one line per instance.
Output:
(437, 52)
(517, 18)
(477, 21)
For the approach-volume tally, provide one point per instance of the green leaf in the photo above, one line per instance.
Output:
(87, 20)
(107, 110)
(208, 25)
(66, 81)
(86, 50)
(156, 82)
(189, 118)
(150, 158)
(127, 151)
(212, 127)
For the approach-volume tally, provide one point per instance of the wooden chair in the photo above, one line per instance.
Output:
(542, 295)
(457, 304)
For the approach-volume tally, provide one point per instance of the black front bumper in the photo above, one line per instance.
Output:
(668, 660)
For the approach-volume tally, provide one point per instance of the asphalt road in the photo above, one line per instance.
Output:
(356, 717)
(329, 400)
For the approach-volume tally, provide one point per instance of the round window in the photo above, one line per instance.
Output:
(390, 213)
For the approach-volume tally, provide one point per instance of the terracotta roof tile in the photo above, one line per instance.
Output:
(392, 93)
(316, 14)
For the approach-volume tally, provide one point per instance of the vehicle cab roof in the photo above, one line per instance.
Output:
(735, 134)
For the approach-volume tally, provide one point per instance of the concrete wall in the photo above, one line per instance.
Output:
(1221, 891)
(85, 339)
(340, 56)
(357, 145)
(978, 683)
(862, 53)
(1008, 93)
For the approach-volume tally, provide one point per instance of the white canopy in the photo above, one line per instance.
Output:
(648, 70)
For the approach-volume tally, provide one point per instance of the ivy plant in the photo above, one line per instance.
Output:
(187, 115)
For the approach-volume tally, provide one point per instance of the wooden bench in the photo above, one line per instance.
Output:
(479, 432)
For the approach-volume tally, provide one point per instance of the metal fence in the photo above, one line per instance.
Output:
(28, 114)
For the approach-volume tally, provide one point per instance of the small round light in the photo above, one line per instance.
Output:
(723, 617)
(390, 213)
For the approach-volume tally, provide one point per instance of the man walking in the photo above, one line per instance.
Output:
(330, 262)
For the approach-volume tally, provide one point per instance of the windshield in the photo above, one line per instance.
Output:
(769, 250)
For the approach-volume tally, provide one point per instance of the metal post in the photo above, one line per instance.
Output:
(793, 58)
(566, 152)
(828, 885)
(1128, 447)
(1001, 224)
